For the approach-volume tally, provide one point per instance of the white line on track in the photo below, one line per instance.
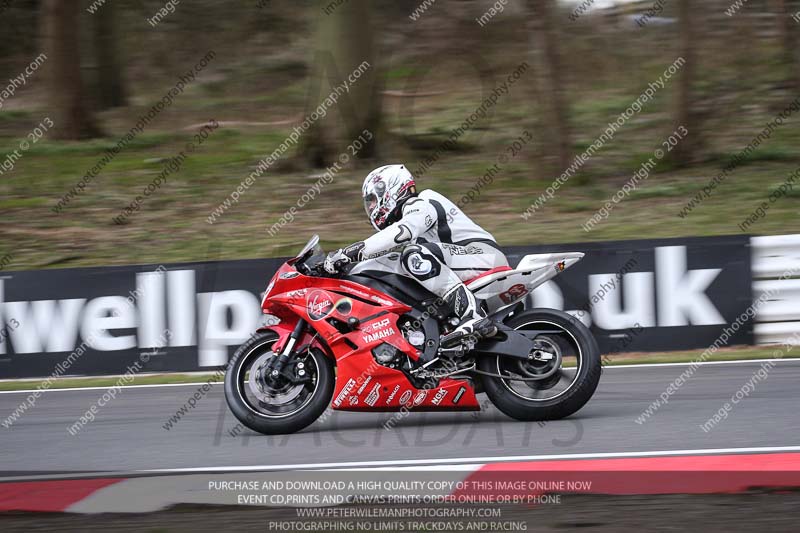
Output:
(198, 384)
(411, 464)
(608, 367)
(472, 460)
(703, 363)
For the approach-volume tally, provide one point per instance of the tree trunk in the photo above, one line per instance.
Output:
(545, 14)
(345, 40)
(685, 151)
(787, 31)
(110, 85)
(59, 25)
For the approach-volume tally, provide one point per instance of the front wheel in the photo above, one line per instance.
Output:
(557, 381)
(285, 407)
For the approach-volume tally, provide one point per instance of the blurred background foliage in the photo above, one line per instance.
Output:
(105, 69)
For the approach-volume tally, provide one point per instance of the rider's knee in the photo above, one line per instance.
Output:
(419, 262)
(408, 250)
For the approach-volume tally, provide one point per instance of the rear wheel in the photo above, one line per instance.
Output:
(283, 407)
(557, 381)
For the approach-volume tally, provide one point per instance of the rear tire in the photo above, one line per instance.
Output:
(249, 414)
(574, 397)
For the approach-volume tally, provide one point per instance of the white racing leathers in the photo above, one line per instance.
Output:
(436, 244)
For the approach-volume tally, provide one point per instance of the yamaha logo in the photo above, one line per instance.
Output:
(379, 335)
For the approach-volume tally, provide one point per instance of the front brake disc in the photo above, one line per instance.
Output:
(266, 394)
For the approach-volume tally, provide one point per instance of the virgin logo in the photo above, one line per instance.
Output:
(318, 305)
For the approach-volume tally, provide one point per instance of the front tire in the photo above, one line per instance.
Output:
(537, 400)
(252, 402)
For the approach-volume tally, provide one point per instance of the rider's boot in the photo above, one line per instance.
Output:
(473, 320)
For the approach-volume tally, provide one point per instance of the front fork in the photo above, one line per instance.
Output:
(276, 365)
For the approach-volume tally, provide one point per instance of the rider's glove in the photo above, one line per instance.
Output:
(342, 256)
(335, 260)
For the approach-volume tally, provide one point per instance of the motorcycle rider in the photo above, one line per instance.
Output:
(440, 246)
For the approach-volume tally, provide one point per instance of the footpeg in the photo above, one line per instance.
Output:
(480, 329)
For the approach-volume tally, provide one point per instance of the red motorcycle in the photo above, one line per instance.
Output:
(368, 340)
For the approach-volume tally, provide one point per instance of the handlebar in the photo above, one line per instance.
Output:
(312, 266)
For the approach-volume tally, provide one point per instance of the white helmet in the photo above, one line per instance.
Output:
(384, 191)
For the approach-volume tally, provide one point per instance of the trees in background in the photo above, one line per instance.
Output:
(65, 90)
(345, 39)
(553, 90)
(109, 80)
(685, 116)
(787, 32)
(347, 34)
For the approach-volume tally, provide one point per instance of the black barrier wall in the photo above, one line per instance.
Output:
(636, 295)
(653, 295)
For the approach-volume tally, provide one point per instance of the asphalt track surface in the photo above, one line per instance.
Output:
(128, 433)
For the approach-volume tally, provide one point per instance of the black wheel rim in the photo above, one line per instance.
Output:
(281, 401)
(555, 376)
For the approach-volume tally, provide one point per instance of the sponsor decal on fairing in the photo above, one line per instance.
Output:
(344, 306)
(405, 397)
(514, 293)
(379, 335)
(374, 395)
(364, 385)
(382, 301)
(459, 394)
(298, 293)
(420, 397)
(345, 391)
(393, 394)
(439, 397)
(376, 325)
(354, 291)
(319, 305)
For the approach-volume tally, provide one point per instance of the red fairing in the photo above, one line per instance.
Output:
(362, 383)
